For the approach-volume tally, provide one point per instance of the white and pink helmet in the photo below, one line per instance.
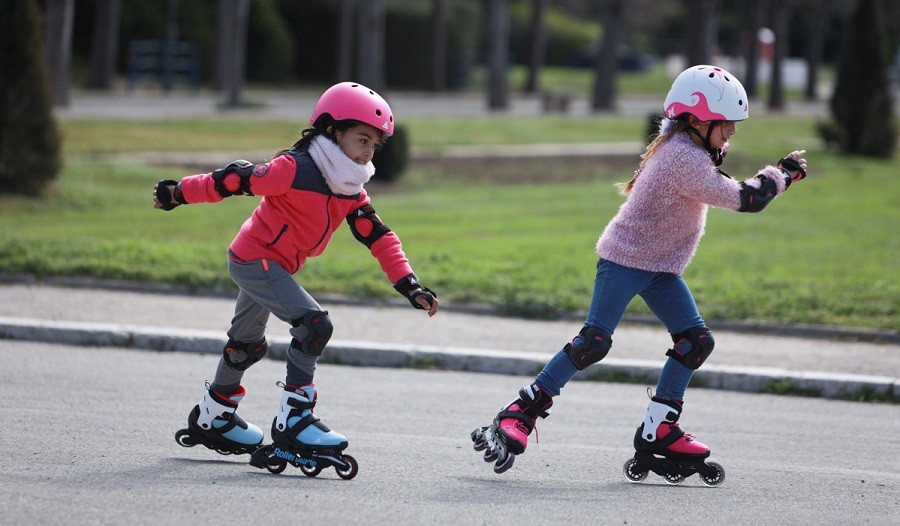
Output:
(350, 100)
(708, 93)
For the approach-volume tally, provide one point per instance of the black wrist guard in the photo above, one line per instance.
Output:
(164, 196)
(410, 288)
(791, 164)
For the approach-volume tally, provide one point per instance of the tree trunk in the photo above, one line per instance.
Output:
(345, 40)
(818, 23)
(104, 44)
(370, 58)
(606, 64)
(58, 41)
(538, 40)
(699, 33)
(754, 18)
(497, 50)
(236, 15)
(438, 45)
(780, 18)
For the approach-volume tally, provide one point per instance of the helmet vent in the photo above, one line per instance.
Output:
(378, 112)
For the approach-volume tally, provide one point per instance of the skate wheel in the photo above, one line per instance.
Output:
(673, 478)
(352, 468)
(184, 438)
(490, 456)
(311, 471)
(276, 467)
(504, 464)
(274, 464)
(478, 441)
(631, 474)
(714, 480)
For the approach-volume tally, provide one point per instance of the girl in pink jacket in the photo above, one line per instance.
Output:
(307, 192)
(642, 252)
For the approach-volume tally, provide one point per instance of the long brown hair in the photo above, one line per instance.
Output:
(320, 127)
(679, 125)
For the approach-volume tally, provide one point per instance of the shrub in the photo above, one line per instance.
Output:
(862, 103)
(29, 137)
(392, 158)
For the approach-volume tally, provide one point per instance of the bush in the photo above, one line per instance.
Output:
(392, 158)
(29, 138)
(862, 103)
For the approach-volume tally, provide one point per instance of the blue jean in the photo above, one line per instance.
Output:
(667, 296)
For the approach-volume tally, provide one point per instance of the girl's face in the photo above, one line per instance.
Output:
(723, 131)
(359, 142)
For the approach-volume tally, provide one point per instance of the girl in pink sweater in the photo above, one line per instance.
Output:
(308, 191)
(643, 251)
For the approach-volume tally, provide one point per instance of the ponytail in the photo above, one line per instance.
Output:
(667, 128)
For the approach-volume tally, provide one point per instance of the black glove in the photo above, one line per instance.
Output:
(164, 196)
(789, 163)
(410, 288)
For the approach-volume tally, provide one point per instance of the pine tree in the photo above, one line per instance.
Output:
(862, 103)
(29, 138)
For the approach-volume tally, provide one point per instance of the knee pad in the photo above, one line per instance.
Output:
(315, 333)
(241, 356)
(589, 347)
(692, 346)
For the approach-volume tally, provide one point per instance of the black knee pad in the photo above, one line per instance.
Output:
(590, 346)
(241, 355)
(693, 346)
(318, 331)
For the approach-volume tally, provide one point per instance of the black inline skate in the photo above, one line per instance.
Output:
(663, 447)
(301, 439)
(214, 423)
(507, 436)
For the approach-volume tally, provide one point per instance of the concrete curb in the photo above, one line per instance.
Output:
(369, 354)
(829, 332)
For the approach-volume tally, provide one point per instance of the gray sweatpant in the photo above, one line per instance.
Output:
(265, 287)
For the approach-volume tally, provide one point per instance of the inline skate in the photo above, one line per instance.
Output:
(301, 439)
(215, 424)
(663, 447)
(508, 435)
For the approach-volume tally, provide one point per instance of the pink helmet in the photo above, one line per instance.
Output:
(708, 93)
(349, 100)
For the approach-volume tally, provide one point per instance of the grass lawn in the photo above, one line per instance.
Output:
(516, 235)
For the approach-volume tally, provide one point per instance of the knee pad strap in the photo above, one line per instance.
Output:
(318, 331)
(241, 355)
(589, 347)
(693, 346)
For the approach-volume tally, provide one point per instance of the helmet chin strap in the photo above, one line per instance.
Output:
(716, 154)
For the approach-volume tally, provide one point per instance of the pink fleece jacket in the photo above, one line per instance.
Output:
(660, 224)
(297, 215)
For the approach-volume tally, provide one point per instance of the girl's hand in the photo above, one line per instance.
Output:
(794, 165)
(165, 195)
(427, 302)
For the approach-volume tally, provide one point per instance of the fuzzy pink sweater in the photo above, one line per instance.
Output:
(659, 226)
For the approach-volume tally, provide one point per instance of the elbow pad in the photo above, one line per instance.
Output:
(755, 199)
(366, 226)
(234, 178)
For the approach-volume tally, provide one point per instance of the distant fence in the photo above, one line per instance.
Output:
(164, 63)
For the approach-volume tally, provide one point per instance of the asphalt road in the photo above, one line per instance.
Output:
(87, 438)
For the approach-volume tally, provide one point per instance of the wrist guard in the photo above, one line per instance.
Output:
(789, 163)
(164, 196)
(410, 288)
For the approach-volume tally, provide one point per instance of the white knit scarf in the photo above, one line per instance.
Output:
(343, 175)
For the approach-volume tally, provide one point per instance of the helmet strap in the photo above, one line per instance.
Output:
(716, 154)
